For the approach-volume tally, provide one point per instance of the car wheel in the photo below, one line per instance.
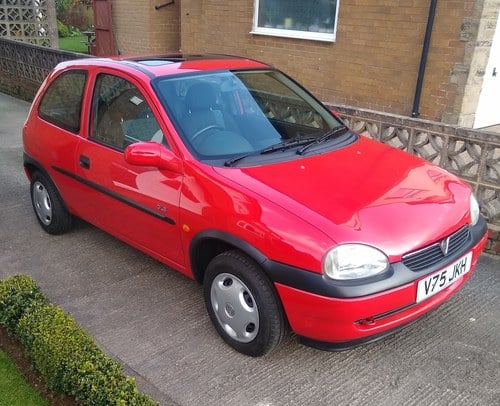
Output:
(243, 304)
(48, 205)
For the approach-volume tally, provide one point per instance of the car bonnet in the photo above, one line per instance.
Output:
(366, 192)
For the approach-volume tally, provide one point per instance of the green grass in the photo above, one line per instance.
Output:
(75, 44)
(14, 391)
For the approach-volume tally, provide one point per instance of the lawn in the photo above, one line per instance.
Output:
(75, 44)
(14, 391)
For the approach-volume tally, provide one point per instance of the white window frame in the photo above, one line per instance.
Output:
(308, 35)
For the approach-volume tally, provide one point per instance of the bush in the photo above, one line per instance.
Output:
(63, 30)
(64, 354)
(17, 295)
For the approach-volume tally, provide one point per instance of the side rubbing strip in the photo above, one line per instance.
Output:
(115, 195)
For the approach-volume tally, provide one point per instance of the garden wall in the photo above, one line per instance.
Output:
(473, 155)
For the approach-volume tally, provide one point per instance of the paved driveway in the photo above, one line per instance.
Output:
(153, 320)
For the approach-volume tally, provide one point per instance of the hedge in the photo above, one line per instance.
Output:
(64, 354)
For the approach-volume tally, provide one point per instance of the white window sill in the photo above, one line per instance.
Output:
(307, 35)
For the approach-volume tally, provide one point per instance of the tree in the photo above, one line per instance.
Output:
(62, 5)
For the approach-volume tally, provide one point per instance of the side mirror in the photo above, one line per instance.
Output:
(152, 154)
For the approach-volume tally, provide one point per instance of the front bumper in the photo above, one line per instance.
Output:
(333, 317)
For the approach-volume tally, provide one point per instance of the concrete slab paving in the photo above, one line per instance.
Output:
(153, 320)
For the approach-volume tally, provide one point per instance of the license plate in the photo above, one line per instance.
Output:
(440, 280)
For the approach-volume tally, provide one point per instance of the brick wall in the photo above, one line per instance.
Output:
(139, 28)
(373, 63)
(493, 245)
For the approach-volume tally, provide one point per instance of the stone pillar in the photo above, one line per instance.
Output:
(479, 30)
(51, 20)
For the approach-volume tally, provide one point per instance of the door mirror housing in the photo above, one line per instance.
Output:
(152, 154)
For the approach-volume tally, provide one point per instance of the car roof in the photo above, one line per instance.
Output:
(171, 64)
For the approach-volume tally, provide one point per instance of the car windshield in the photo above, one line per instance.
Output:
(231, 115)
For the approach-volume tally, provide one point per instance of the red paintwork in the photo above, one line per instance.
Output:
(292, 212)
(334, 320)
(382, 200)
(152, 154)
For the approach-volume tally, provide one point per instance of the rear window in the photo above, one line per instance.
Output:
(62, 102)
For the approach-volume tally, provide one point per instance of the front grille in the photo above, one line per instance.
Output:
(432, 254)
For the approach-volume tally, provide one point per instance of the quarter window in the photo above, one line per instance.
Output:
(121, 114)
(313, 19)
(62, 102)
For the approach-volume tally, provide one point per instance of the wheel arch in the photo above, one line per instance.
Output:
(31, 166)
(209, 243)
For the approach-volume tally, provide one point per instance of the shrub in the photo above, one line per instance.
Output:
(63, 30)
(17, 295)
(64, 354)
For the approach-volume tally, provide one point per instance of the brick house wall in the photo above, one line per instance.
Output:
(372, 64)
(140, 28)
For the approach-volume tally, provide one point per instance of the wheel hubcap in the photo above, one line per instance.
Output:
(42, 204)
(235, 307)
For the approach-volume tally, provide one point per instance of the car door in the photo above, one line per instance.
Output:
(138, 204)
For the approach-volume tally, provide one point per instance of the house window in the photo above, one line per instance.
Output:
(312, 19)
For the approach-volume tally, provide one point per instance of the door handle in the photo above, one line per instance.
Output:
(495, 71)
(84, 162)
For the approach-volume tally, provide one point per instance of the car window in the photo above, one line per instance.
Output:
(230, 113)
(121, 114)
(62, 101)
(280, 102)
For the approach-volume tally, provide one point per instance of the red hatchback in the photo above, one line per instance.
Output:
(229, 171)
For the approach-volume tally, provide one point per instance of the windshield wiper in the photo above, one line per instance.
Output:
(281, 146)
(233, 160)
(325, 137)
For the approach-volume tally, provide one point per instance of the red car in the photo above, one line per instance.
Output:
(229, 171)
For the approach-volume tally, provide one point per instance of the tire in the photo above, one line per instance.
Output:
(48, 206)
(243, 304)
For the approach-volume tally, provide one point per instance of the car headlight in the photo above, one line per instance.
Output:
(354, 261)
(474, 210)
